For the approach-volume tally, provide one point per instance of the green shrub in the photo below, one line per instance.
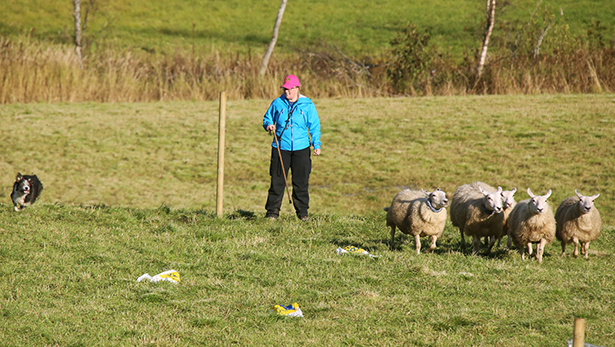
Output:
(412, 58)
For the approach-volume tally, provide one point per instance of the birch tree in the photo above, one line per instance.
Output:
(490, 22)
(274, 38)
(540, 38)
(77, 15)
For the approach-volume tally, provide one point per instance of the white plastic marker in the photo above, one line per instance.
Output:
(289, 311)
(169, 276)
(354, 250)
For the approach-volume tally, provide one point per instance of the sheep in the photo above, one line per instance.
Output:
(476, 209)
(532, 221)
(508, 203)
(419, 213)
(578, 221)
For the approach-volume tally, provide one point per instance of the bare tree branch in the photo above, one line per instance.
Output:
(360, 66)
(274, 38)
(513, 51)
(92, 6)
(540, 38)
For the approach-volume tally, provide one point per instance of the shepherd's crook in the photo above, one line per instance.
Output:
(282, 163)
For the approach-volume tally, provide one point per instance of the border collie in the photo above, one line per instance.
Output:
(26, 190)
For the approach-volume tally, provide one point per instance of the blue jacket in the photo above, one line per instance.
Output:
(292, 125)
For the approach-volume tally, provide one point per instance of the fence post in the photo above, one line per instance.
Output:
(579, 332)
(221, 132)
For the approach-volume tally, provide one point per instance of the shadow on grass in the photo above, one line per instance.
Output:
(495, 253)
(242, 214)
(445, 245)
(403, 241)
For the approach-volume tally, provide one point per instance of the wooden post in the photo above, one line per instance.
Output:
(221, 131)
(579, 332)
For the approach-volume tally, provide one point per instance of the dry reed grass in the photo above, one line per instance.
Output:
(32, 71)
(578, 71)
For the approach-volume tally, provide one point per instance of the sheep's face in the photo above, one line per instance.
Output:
(538, 203)
(438, 199)
(493, 201)
(586, 203)
(508, 198)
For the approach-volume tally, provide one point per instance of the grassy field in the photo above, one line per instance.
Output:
(130, 189)
(69, 278)
(148, 154)
(363, 29)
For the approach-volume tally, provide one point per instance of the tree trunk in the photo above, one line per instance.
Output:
(490, 22)
(274, 38)
(77, 15)
(540, 38)
(515, 47)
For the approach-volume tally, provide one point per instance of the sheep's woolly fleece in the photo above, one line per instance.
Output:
(578, 221)
(476, 209)
(418, 213)
(532, 221)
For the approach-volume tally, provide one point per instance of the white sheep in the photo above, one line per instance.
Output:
(508, 203)
(476, 209)
(532, 221)
(418, 213)
(578, 221)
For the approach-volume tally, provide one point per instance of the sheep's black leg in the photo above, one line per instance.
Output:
(392, 236)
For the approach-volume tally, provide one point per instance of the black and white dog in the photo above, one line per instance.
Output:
(26, 190)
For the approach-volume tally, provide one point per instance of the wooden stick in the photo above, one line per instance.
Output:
(283, 170)
(221, 133)
(579, 332)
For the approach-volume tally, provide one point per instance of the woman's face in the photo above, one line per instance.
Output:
(292, 94)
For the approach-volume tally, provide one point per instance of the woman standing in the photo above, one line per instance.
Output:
(295, 123)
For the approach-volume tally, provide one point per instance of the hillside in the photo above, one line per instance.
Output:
(363, 29)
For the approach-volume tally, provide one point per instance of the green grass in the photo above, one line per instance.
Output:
(130, 189)
(69, 278)
(363, 29)
(148, 154)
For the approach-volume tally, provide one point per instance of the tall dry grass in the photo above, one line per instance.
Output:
(34, 71)
(579, 71)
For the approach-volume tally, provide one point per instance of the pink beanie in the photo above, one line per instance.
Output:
(291, 81)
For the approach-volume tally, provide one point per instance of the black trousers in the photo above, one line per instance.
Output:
(300, 164)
